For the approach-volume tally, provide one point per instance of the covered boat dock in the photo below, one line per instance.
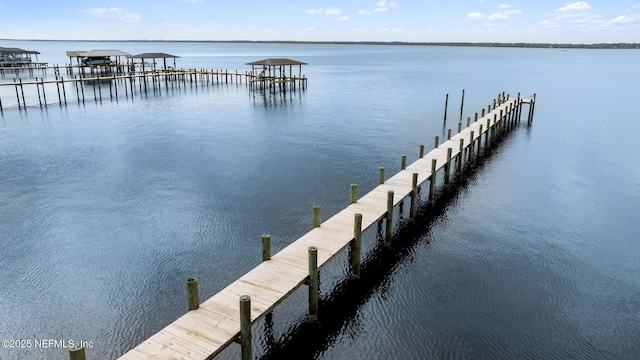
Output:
(15, 57)
(154, 56)
(273, 73)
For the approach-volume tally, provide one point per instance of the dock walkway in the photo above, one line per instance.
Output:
(204, 332)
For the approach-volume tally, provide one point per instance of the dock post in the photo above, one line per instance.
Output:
(448, 134)
(24, 104)
(403, 162)
(447, 170)
(471, 143)
(532, 107)
(44, 95)
(493, 129)
(432, 182)
(460, 126)
(486, 140)
(77, 353)
(313, 284)
(461, 154)
(381, 176)
(316, 216)
(64, 92)
(421, 150)
(437, 142)
(356, 247)
(354, 193)
(192, 293)
(446, 105)
(475, 118)
(414, 195)
(38, 88)
(389, 217)
(266, 247)
(245, 327)
(461, 105)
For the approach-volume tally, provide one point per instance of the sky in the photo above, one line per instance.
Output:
(548, 21)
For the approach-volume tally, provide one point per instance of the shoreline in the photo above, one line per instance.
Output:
(464, 44)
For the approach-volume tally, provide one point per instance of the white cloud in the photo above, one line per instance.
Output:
(498, 16)
(623, 19)
(577, 6)
(364, 12)
(476, 16)
(332, 11)
(384, 5)
(327, 11)
(636, 6)
(113, 14)
(504, 6)
(342, 19)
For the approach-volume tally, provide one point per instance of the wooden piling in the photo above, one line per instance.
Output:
(77, 353)
(24, 104)
(447, 169)
(313, 284)
(446, 105)
(381, 176)
(421, 146)
(437, 142)
(432, 182)
(245, 328)
(354, 194)
(356, 247)
(448, 134)
(193, 299)
(460, 155)
(266, 247)
(389, 219)
(403, 162)
(471, 142)
(316, 216)
(414, 195)
(461, 106)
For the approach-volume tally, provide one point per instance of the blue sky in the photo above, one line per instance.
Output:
(592, 21)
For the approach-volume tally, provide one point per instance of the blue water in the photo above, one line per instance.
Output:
(107, 207)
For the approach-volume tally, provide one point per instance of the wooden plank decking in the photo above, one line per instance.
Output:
(204, 332)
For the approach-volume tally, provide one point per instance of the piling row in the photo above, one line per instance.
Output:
(96, 86)
(226, 317)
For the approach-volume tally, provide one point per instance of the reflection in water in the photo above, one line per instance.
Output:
(278, 99)
(340, 309)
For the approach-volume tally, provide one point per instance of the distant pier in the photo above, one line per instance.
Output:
(101, 85)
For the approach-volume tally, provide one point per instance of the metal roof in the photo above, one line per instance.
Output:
(100, 53)
(153, 56)
(277, 62)
(5, 50)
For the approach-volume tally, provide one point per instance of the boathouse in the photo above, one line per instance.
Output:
(272, 72)
(153, 57)
(15, 57)
(104, 59)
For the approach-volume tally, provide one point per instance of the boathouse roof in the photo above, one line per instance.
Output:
(5, 50)
(154, 56)
(277, 62)
(99, 53)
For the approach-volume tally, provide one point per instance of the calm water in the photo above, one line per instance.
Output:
(106, 208)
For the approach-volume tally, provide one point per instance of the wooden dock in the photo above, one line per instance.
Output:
(112, 86)
(217, 322)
